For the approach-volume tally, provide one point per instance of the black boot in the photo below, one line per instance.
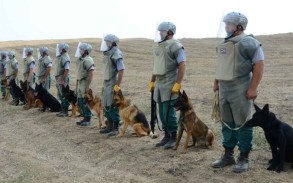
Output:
(63, 113)
(164, 140)
(225, 160)
(108, 129)
(86, 121)
(172, 141)
(242, 164)
(115, 130)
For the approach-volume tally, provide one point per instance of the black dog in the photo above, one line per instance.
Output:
(72, 99)
(278, 134)
(49, 101)
(19, 95)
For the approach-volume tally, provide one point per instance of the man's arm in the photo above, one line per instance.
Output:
(257, 74)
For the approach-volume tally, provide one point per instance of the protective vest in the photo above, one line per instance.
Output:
(11, 64)
(83, 65)
(26, 66)
(60, 65)
(235, 57)
(165, 55)
(42, 65)
(109, 62)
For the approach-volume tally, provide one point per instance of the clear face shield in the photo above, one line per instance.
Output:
(77, 52)
(39, 54)
(23, 53)
(226, 29)
(58, 51)
(105, 45)
(160, 36)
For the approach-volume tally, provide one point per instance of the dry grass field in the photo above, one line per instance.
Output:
(40, 147)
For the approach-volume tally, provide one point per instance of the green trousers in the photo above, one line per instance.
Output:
(3, 90)
(85, 109)
(112, 114)
(64, 103)
(241, 137)
(169, 123)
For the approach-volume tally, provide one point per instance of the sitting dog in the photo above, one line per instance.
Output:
(72, 99)
(131, 115)
(278, 134)
(29, 93)
(48, 100)
(189, 122)
(7, 93)
(19, 95)
(95, 105)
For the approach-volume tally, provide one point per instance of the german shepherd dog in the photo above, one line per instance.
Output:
(48, 100)
(131, 115)
(29, 93)
(17, 92)
(7, 93)
(72, 99)
(278, 134)
(95, 105)
(189, 122)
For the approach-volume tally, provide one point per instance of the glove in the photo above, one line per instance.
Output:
(116, 88)
(152, 86)
(176, 88)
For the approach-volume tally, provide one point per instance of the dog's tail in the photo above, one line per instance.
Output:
(210, 137)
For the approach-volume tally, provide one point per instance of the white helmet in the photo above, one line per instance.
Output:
(63, 46)
(167, 26)
(11, 54)
(28, 50)
(109, 41)
(3, 54)
(43, 50)
(237, 19)
(163, 30)
(85, 47)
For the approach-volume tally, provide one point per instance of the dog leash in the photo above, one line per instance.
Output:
(216, 114)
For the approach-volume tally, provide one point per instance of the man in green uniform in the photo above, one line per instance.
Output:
(168, 72)
(11, 73)
(238, 74)
(62, 75)
(85, 69)
(113, 73)
(44, 68)
(3, 60)
(28, 66)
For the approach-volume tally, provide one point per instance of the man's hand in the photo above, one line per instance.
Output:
(176, 88)
(116, 88)
(251, 94)
(151, 86)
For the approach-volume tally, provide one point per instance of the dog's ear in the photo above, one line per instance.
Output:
(256, 108)
(120, 94)
(67, 87)
(266, 108)
(90, 92)
(21, 82)
(184, 95)
(37, 85)
(180, 94)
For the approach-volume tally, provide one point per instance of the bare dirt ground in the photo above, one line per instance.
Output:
(40, 147)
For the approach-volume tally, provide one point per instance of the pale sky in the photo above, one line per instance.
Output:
(64, 19)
